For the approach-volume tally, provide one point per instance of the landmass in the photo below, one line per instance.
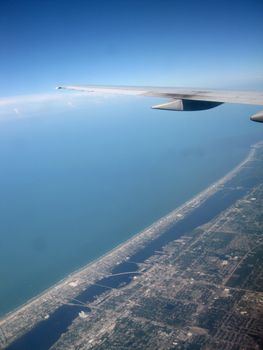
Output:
(192, 280)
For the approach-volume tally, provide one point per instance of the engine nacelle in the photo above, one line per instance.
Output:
(258, 117)
(187, 105)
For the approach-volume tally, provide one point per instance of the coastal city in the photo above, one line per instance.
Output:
(204, 290)
(192, 280)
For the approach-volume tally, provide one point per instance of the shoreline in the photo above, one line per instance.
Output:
(149, 233)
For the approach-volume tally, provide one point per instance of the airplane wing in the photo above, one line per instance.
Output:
(181, 99)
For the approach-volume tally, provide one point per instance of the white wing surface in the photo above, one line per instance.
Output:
(181, 99)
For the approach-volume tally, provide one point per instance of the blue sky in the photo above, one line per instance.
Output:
(204, 43)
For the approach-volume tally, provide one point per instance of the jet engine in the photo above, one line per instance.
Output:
(258, 117)
(187, 105)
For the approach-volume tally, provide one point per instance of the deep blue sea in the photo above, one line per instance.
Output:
(79, 178)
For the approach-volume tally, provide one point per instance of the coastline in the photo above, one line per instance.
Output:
(101, 266)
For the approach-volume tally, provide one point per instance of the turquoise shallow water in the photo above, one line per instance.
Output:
(75, 183)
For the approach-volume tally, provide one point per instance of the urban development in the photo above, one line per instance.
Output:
(192, 280)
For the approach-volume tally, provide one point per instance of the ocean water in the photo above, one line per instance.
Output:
(78, 180)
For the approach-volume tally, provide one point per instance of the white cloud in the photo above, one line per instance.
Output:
(34, 105)
(16, 110)
(40, 98)
(70, 104)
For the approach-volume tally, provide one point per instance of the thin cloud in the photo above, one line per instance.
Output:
(43, 98)
(16, 110)
(26, 106)
(70, 104)
(25, 99)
